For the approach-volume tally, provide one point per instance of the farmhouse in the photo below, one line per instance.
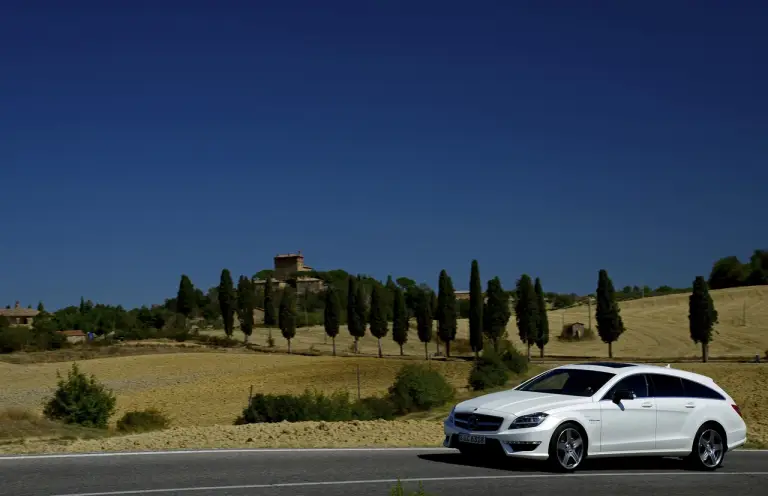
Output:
(290, 265)
(19, 316)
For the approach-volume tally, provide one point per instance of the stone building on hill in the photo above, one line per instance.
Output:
(18, 315)
(289, 265)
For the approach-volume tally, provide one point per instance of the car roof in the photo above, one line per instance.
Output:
(622, 369)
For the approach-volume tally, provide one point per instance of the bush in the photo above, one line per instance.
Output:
(13, 339)
(516, 362)
(216, 341)
(143, 421)
(135, 334)
(418, 388)
(373, 408)
(488, 372)
(80, 400)
(314, 406)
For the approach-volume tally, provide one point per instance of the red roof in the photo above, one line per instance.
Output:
(73, 333)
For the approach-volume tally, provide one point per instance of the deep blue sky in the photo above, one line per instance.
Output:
(144, 139)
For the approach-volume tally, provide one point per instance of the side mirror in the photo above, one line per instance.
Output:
(623, 394)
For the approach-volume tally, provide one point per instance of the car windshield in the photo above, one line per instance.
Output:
(573, 382)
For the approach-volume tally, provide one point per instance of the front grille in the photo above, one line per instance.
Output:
(477, 422)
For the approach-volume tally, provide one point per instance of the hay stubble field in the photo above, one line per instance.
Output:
(656, 327)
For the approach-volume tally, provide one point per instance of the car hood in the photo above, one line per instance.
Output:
(519, 402)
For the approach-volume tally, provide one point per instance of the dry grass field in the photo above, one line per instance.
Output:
(656, 327)
(203, 389)
(197, 403)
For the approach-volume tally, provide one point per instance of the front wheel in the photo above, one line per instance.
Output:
(708, 449)
(567, 448)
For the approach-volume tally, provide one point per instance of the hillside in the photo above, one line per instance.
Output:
(656, 327)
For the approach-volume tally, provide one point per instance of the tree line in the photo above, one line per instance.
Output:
(370, 305)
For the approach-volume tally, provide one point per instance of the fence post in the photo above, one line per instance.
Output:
(250, 400)
(358, 382)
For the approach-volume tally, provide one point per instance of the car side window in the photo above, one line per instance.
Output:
(635, 383)
(667, 386)
(695, 390)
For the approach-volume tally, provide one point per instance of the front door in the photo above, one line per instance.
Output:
(631, 424)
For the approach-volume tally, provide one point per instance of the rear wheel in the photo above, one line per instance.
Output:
(567, 448)
(709, 448)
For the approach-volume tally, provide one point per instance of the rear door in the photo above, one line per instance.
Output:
(630, 425)
(673, 410)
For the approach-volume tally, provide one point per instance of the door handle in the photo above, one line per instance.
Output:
(647, 404)
(690, 405)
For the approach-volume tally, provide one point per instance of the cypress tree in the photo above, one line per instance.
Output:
(424, 319)
(287, 315)
(526, 311)
(40, 307)
(246, 301)
(607, 315)
(475, 310)
(702, 316)
(446, 311)
(227, 302)
(270, 318)
(400, 320)
(496, 312)
(390, 298)
(379, 327)
(186, 298)
(332, 315)
(542, 325)
(355, 324)
(361, 306)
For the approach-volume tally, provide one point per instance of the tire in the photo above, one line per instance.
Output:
(567, 447)
(709, 448)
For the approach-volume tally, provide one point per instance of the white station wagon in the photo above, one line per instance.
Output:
(602, 409)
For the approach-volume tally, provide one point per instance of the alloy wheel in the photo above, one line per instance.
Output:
(570, 448)
(710, 448)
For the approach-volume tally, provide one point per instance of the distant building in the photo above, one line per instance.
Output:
(289, 265)
(74, 336)
(462, 295)
(19, 316)
(573, 331)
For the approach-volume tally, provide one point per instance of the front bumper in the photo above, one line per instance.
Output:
(531, 443)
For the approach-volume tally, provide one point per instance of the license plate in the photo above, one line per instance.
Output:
(468, 438)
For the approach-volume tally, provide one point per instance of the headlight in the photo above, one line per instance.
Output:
(450, 415)
(526, 421)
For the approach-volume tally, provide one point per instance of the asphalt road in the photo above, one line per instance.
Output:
(362, 472)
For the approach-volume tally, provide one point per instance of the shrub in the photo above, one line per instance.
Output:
(488, 372)
(135, 334)
(373, 408)
(314, 406)
(418, 388)
(216, 341)
(80, 400)
(143, 421)
(515, 361)
(13, 339)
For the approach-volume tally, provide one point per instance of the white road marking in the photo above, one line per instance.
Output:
(252, 450)
(394, 481)
(217, 451)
